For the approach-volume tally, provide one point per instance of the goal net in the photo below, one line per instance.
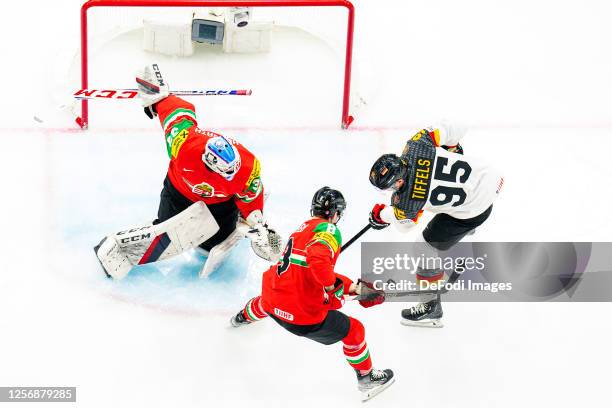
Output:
(298, 63)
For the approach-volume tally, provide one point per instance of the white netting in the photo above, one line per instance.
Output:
(306, 62)
(327, 23)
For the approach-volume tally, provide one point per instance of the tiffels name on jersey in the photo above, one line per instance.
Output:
(421, 179)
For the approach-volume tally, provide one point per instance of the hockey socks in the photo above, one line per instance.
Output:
(253, 311)
(356, 348)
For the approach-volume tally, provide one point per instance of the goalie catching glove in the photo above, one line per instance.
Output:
(265, 241)
(151, 88)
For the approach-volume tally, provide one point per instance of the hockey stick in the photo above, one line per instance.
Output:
(356, 237)
(133, 93)
(452, 279)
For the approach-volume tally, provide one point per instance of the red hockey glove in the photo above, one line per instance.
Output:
(368, 295)
(375, 221)
(335, 297)
(347, 282)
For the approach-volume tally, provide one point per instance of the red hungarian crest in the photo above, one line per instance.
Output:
(203, 190)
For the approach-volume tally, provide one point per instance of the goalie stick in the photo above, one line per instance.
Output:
(133, 93)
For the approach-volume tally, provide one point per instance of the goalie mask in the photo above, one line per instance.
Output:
(222, 157)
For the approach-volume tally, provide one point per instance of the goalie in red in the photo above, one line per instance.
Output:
(302, 292)
(204, 167)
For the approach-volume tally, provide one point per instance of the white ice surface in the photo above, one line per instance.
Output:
(530, 77)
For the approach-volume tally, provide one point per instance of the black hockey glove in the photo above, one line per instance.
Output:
(150, 111)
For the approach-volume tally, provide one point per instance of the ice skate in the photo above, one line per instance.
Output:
(425, 314)
(239, 320)
(374, 383)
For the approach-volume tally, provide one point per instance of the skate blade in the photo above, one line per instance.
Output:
(233, 325)
(431, 323)
(368, 395)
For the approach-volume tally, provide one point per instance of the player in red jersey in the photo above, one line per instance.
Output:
(302, 292)
(208, 167)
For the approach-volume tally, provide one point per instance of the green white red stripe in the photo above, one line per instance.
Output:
(297, 259)
(253, 310)
(357, 356)
(178, 113)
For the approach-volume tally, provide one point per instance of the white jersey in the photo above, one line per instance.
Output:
(441, 181)
(462, 186)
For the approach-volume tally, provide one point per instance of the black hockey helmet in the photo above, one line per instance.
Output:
(387, 170)
(326, 202)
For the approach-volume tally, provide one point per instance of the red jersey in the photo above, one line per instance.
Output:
(187, 172)
(293, 290)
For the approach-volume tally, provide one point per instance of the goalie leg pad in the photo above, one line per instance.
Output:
(118, 253)
(115, 264)
(219, 252)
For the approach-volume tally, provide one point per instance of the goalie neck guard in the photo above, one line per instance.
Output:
(222, 157)
(326, 202)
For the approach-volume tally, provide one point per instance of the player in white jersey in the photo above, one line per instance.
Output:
(432, 174)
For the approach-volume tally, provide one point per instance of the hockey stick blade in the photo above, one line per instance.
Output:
(133, 93)
(397, 294)
(451, 280)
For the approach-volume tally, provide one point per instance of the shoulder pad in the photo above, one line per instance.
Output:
(328, 234)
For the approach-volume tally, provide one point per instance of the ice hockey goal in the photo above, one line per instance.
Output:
(139, 8)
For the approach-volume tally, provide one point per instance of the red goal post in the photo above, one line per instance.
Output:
(346, 119)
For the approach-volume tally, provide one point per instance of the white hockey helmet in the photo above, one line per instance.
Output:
(222, 157)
